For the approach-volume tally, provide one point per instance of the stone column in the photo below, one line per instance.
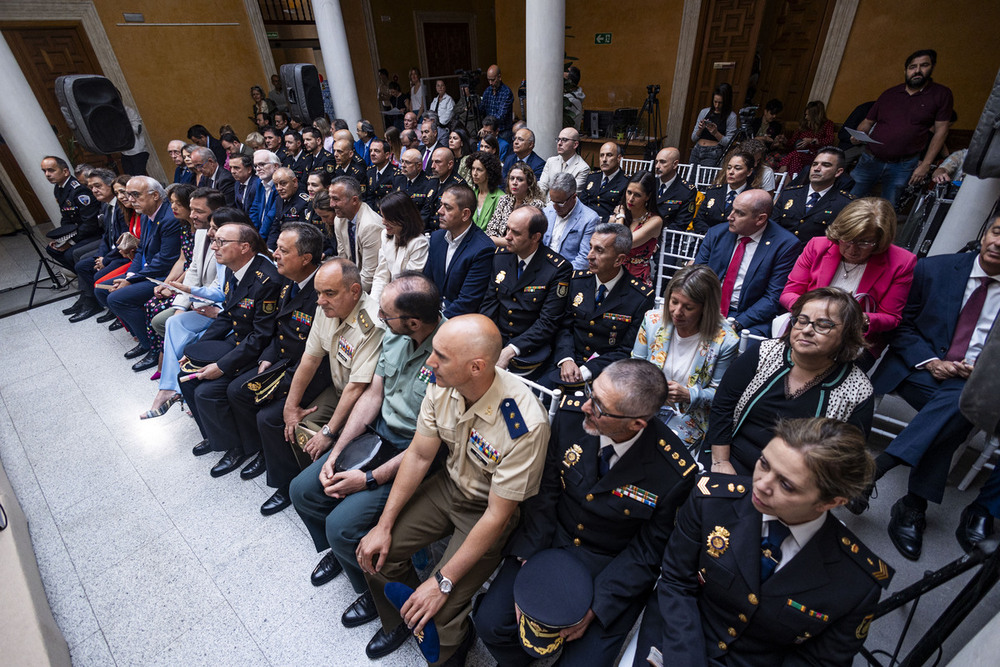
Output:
(337, 60)
(967, 214)
(26, 130)
(544, 32)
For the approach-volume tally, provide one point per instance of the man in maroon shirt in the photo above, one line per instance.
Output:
(904, 117)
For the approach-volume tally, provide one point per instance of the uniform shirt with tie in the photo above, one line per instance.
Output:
(748, 253)
(618, 449)
(599, 295)
(522, 264)
(732, 194)
(991, 308)
(453, 243)
(665, 186)
(798, 537)
(814, 196)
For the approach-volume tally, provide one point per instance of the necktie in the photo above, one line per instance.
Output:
(729, 199)
(240, 189)
(601, 292)
(604, 465)
(662, 191)
(729, 283)
(604, 182)
(813, 198)
(427, 157)
(967, 321)
(520, 268)
(770, 548)
(295, 289)
(350, 239)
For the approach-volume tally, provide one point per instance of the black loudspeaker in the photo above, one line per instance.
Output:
(94, 111)
(305, 98)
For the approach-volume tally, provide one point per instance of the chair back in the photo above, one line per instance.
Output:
(676, 250)
(549, 398)
(705, 176)
(630, 166)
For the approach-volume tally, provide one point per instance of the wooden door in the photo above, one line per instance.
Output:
(729, 31)
(791, 41)
(449, 47)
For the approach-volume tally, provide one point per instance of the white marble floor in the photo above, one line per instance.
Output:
(147, 560)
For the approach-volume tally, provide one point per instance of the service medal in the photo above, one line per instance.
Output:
(500, 277)
(578, 299)
(572, 455)
(718, 541)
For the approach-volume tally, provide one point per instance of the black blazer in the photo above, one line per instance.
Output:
(790, 211)
(224, 182)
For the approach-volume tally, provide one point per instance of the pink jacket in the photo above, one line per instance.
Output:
(882, 292)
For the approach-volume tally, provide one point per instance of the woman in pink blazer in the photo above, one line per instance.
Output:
(857, 255)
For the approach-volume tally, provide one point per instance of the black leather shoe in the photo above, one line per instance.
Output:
(255, 468)
(906, 530)
(383, 644)
(278, 501)
(149, 361)
(136, 351)
(201, 448)
(85, 312)
(328, 568)
(74, 309)
(107, 317)
(360, 612)
(116, 325)
(457, 658)
(229, 462)
(974, 526)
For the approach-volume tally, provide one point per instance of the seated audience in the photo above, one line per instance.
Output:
(461, 147)
(488, 144)
(266, 202)
(403, 245)
(752, 257)
(605, 188)
(212, 174)
(777, 529)
(484, 172)
(293, 200)
(175, 149)
(807, 210)
(429, 142)
(571, 224)
(693, 345)
(412, 181)
(296, 158)
(581, 508)
(566, 160)
(382, 173)
(522, 190)
(247, 182)
(366, 136)
(523, 150)
(200, 136)
(357, 227)
(443, 170)
(814, 131)
(90, 265)
(605, 311)
(637, 210)
(676, 199)
(764, 178)
(489, 129)
(338, 508)
(807, 372)
(858, 256)
(473, 503)
(527, 298)
(125, 246)
(78, 209)
(738, 173)
(345, 158)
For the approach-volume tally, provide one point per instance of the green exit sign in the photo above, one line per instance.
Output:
(272, 35)
(602, 38)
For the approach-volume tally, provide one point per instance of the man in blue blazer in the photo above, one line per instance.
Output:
(159, 248)
(952, 306)
(460, 255)
(247, 183)
(766, 254)
(266, 202)
(571, 224)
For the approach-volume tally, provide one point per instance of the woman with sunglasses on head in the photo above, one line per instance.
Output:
(808, 372)
(758, 571)
(858, 256)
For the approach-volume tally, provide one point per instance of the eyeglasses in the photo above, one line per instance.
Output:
(260, 165)
(197, 165)
(819, 326)
(386, 320)
(560, 140)
(588, 392)
(221, 242)
(134, 195)
(860, 244)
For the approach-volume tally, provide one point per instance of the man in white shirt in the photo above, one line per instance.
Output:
(571, 224)
(566, 159)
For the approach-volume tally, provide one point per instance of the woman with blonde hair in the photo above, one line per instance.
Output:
(522, 190)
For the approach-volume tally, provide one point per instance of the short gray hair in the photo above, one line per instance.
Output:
(106, 175)
(563, 181)
(623, 235)
(152, 185)
(205, 154)
(350, 184)
(267, 156)
(642, 385)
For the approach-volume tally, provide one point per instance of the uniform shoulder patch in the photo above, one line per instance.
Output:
(269, 306)
(84, 200)
(678, 455)
(512, 417)
(304, 196)
(876, 568)
(572, 403)
(582, 274)
(364, 321)
(722, 486)
(848, 194)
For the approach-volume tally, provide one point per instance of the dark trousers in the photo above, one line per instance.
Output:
(88, 275)
(70, 256)
(282, 467)
(989, 495)
(127, 303)
(209, 402)
(931, 438)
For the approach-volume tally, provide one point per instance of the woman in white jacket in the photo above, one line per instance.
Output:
(404, 246)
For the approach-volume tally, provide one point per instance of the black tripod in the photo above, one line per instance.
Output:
(650, 112)
(57, 279)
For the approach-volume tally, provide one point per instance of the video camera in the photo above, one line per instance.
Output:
(469, 78)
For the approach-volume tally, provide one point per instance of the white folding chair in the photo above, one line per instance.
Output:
(684, 171)
(630, 166)
(676, 250)
(779, 183)
(705, 176)
(549, 398)
(985, 460)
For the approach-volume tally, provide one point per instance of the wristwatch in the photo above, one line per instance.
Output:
(444, 583)
(325, 431)
(370, 483)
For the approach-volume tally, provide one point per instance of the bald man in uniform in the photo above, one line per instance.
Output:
(443, 170)
(495, 432)
(412, 180)
(675, 197)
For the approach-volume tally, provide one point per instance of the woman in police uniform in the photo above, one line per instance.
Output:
(758, 571)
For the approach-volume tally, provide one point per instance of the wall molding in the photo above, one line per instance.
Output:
(682, 73)
(256, 22)
(839, 31)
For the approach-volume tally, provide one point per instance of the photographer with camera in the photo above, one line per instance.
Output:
(708, 132)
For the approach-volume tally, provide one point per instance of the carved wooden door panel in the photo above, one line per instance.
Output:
(449, 47)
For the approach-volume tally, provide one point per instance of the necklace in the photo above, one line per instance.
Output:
(849, 271)
(791, 395)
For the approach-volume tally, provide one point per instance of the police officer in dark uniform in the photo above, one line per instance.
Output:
(605, 310)
(412, 180)
(610, 504)
(296, 158)
(293, 205)
(527, 296)
(381, 175)
(737, 175)
(604, 188)
(274, 141)
(343, 155)
(318, 158)
(255, 406)
(807, 210)
(252, 285)
(79, 225)
(675, 198)
(770, 577)
(442, 166)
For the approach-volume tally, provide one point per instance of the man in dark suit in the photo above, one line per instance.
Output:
(952, 306)
(159, 248)
(675, 197)
(212, 175)
(93, 267)
(274, 141)
(200, 136)
(752, 258)
(610, 491)
(382, 173)
(292, 204)
(604, 188)
(233, 146)
(605, 311)
(176, 151)
(460, 255)
(523, 150)
(807, 210)
(412, 180)
(428, 144)
(527, 297)
(252, 285)
(247, 182)
(443, 171)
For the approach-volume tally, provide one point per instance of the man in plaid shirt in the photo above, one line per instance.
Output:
(498, 101)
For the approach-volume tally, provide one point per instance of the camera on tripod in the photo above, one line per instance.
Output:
(469, 78)
(746, 115)
(653, 90)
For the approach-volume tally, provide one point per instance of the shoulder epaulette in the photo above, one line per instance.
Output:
(679, 456)
(847, 194)
(793, 187)
(642, 287)
(554, 257)
(364, 321)
(502, 251)
(512, 417)
(876, 568)
(572, 403)
(722, 486)
(304, 196)
(690, 185)
(582, 273)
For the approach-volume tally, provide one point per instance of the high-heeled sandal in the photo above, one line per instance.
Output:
(155, 376)
(162, 410)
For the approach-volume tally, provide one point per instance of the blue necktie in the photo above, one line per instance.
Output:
(770, 548)
(662, 191)
(813, 198)
(729, 199)
(520, 269)
(295, 289)
(604, 465)
(601, 292)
